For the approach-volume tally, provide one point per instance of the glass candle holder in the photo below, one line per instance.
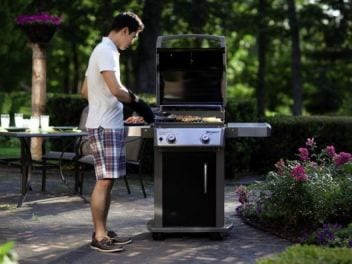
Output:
(44, 122)
(18, 120)
(34, 123)
(5, 120)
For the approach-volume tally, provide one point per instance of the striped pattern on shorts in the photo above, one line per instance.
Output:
(108, 149)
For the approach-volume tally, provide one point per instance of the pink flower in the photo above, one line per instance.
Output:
(303, 154)
(310, 142)
(330, 150)
(299, 173)
(242, 194)
(280, 166)
(342, 158)
(38, 18)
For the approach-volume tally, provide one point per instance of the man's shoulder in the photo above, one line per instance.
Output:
(102, 46)
(102, 49)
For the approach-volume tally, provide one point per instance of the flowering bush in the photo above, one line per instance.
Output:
(303, 194)
(42, 18)
(333, 235)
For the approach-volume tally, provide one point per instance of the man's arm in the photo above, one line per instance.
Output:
(116, 87)
(84, 89)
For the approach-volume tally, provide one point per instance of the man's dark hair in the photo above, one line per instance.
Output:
(129, 20)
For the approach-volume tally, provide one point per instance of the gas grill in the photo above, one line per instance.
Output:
(189, 135)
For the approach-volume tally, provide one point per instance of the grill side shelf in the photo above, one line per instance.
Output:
(234, 130)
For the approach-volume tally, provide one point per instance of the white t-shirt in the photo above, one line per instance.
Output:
(105, 109)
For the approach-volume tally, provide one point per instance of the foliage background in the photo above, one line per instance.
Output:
(324, 27)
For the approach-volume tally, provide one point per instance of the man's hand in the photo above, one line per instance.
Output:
(134, 98)
(143, 109)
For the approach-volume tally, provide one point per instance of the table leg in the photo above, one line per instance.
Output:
(26, 162)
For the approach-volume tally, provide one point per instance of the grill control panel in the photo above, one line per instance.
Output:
(189, 137)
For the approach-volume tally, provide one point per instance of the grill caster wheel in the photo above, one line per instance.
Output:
(217, 236)
(158, 236)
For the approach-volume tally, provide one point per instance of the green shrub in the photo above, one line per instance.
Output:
(241, 110)
(289, 132)
(7, 255)
(65, 110)
(298, 254)
(343, 202)
(332, 235)
(304, 193)
(238, 152)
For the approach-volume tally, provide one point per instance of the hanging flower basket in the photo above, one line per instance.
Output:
(39, 28)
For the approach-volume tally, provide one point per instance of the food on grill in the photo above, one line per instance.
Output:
(134, 120)
(188, 118)
(211, 119)
(196, 119)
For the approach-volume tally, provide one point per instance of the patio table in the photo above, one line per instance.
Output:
(26, 161)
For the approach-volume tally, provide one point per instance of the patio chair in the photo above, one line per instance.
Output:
(134, 153)
(65, 156)
(85, 161)
(134, 148)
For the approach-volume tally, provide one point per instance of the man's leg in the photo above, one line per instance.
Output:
(100, 200)
(107, 206)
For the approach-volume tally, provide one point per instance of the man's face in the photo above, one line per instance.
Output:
(127, 38)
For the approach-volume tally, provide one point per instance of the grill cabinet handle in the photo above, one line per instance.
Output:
(205, 178)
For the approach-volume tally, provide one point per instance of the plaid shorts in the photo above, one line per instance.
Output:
(108, 149)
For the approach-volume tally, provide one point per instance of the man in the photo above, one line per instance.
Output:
(105, 93)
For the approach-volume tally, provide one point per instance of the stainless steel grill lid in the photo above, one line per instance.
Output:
(191, 70)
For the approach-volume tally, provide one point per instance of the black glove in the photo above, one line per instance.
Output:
(141, 107)
(134, 98)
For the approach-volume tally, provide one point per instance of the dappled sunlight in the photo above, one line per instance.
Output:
(56, 227)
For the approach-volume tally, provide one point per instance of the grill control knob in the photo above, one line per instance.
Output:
(205, 139)
(171, 138)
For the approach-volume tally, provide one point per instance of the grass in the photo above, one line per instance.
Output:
(298, 254)
(9, 152)
(9, 147)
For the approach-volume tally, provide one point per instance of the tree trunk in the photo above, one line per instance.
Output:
(296, 60)
(105, 10)
(199, 15)
(66, 76)
(146, 68)
(262, 44)
(38, 92)
(75, 82)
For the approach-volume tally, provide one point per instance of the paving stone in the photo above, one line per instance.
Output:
(56, 227)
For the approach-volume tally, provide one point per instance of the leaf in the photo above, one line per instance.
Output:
(6, 248)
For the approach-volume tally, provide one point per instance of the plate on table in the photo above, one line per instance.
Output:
(16, 129)
(64, 128)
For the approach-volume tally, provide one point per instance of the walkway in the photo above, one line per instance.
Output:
(56, 227)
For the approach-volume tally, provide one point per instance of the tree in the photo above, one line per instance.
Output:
(262, 42)
(146, 68)
(296, 59)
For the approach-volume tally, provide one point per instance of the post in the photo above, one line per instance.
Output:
(38, 92)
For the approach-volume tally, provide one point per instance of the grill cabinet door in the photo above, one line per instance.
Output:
(189, 197)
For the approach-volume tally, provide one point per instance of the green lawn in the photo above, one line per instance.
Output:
(9, 151)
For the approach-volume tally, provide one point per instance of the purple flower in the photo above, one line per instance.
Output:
(299, 173)
(350, 243)
(342, 158)
(258, 209)
(280, 166)
(303, 154)
(325, 234)
(242, 194)
(39, 18)
(330, 150)
(310, 142)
